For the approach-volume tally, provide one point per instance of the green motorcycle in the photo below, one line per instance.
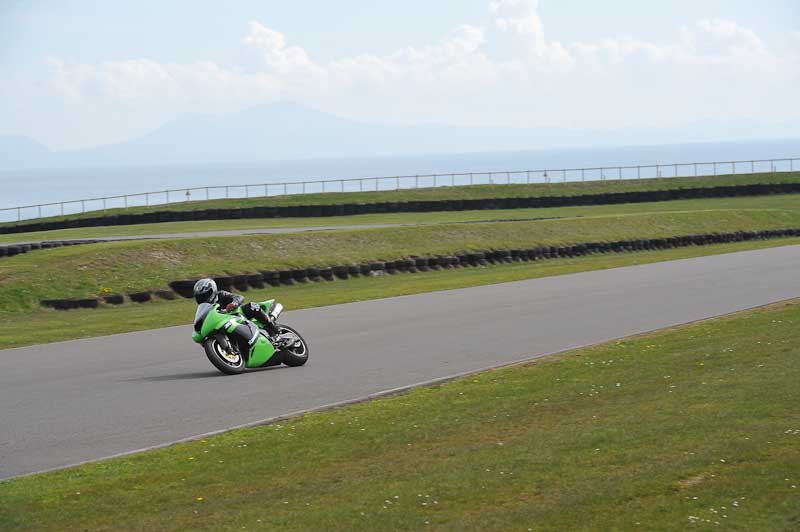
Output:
(233, 343)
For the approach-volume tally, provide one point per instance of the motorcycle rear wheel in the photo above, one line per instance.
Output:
(227, 363)
(297, 354)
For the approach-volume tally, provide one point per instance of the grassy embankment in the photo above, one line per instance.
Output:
(690, 428)
(780, 202)
(457, 193)
(121, 267)
(130, 266)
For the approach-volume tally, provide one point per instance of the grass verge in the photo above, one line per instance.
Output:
(104, 321)
(120, 267)
(457, 193)
(778, 202)
(693, 427)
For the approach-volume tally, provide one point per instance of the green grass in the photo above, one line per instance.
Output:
(461, 192)
(94, 269)
(778, 202)
(134, 317)
(695, 427)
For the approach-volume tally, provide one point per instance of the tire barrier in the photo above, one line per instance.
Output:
(140, 297)
(224, 283)
(326, 274)
(314, 211)
(240, 283)
(271, 278)
(18, 249)
(341, 272)
(169, 295)
(255, 280)
(117, 299)
(354, 270)
(184, 288)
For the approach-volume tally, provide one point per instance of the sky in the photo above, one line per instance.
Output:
(82, 73)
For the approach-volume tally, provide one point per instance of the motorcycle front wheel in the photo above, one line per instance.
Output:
(229, 363)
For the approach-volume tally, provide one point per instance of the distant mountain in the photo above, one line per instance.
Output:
(17, 151)
(290, 131)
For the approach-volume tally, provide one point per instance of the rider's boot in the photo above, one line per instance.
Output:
(254, 311)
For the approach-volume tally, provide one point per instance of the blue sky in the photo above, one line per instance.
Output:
(78, 73)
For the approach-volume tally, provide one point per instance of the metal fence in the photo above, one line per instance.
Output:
(367, 184)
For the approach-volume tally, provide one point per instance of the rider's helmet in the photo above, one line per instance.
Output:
(205, 291)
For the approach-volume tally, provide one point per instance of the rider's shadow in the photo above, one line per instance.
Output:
(200, 375)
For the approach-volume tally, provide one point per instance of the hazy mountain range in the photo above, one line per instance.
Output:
(290, 131)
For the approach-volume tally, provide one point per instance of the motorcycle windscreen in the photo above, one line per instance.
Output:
(200, 316)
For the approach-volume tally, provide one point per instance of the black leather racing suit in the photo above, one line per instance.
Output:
(251, 311)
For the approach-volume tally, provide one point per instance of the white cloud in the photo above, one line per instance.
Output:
(522, 17)
(277, 56)
(456, 57)
(709, 65)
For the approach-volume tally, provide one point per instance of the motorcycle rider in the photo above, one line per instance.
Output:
(205, 291)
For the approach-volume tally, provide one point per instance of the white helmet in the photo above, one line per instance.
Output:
(205, 291)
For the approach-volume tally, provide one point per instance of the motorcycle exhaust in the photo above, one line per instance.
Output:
(276, 311)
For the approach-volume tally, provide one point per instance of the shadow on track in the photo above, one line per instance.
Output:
(199, 375)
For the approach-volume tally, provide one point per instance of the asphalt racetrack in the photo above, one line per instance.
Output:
(74, 401)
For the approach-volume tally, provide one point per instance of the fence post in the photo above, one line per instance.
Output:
(619, 170)
(528, 177)
(583, 174)
(508, 178)
(676, 170)
(361, 185)
(416, 182)
(284, 189)
(695, 169)
(226, 191)
(19, 214)
(125, 198)
(715, 168)
(147, 199)
(638, 172)
(752, 167)
(658, 170)
(734, 167)
(470, 178)
(62, 206)
(104, 208)
(167, 196)
(40, 210)
(266, 192)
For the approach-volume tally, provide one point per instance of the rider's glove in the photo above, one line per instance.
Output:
(230, 307)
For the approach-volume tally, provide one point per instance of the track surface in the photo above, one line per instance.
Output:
(81, 400)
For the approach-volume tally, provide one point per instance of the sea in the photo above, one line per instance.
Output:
(32, 187)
